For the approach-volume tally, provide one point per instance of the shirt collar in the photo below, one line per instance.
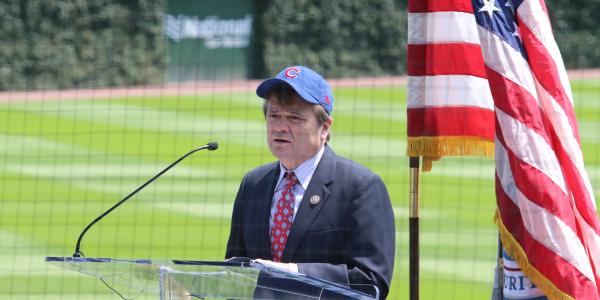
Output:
(304, 171)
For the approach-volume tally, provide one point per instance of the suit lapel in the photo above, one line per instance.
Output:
(308, 212)
(264, 197)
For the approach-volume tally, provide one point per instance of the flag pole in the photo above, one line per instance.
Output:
(413, 227)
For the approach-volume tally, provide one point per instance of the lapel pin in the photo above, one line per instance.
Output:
(314, 200)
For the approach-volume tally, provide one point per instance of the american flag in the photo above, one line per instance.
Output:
(546, 211)
(449, 102)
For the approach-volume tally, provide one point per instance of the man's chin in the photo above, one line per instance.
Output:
(281, 151)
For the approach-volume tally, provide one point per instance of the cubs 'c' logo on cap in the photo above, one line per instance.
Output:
(291, 72)
(327, 100)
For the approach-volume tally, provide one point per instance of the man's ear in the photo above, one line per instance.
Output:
(326, 127)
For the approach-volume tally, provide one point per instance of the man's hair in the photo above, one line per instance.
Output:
(283, 94)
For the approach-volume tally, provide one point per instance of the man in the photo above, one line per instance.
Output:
(312, 212)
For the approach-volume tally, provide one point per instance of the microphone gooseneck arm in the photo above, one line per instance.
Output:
(210, 146)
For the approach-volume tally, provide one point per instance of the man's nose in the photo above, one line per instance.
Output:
(281, 124)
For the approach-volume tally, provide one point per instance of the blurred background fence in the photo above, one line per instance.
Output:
(98, 96)
(76, 44)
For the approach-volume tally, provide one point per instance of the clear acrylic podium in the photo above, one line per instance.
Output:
(178, 279)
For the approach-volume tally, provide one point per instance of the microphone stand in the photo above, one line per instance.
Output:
(210, 146)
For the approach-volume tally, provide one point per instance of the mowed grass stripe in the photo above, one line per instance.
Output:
(115, 118)
(250, 133)
(130, 145)
(19, 145)
(137, 230)
(216, 114)
(249, 107)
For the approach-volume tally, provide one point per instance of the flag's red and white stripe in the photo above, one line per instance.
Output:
(546, 205)
(449, 102)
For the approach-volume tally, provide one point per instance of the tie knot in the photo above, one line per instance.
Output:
(291, 178)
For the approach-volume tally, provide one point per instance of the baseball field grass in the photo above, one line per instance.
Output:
(64, 161)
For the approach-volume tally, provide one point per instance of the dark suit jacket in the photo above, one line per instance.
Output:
(348, 237)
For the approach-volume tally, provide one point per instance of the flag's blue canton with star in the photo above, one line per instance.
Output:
(498, 16)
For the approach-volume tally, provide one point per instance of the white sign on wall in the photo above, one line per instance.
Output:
(215, 32)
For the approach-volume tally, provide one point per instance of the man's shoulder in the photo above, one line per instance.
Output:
(258, 173)
(346, 163)
(350, 168)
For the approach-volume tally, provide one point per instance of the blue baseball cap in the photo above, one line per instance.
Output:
(307, 83)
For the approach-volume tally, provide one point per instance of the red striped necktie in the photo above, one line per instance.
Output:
(282, 220)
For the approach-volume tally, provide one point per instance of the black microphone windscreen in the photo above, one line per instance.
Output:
(213, 146)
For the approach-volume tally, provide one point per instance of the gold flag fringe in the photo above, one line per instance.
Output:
(515, 251)
(428, 162)
(433, 148)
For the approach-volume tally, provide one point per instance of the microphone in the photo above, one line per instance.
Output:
(210, 146)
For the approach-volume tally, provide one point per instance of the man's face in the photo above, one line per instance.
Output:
(293, 133)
